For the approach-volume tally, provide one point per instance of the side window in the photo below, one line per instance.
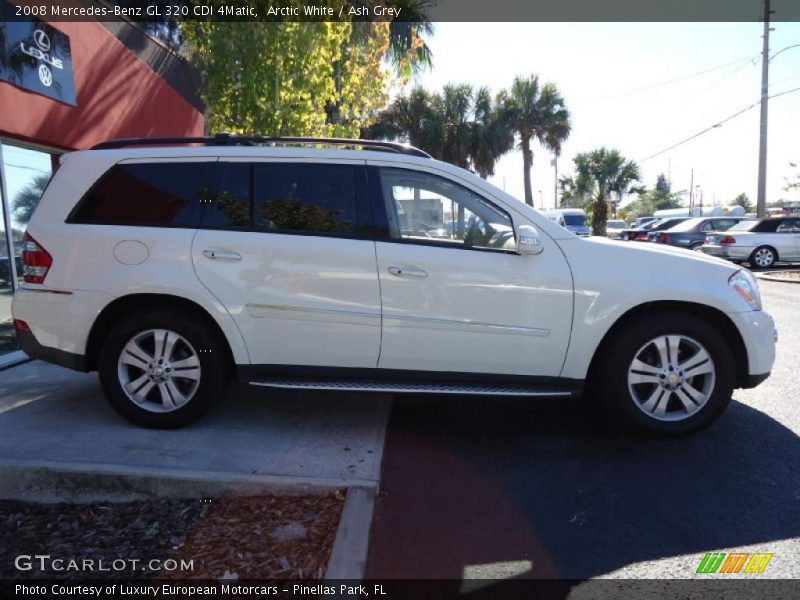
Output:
(425, 207)
(303, 197)
(230, 208)
(166, 194)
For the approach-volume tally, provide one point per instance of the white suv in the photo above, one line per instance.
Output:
(171, 270)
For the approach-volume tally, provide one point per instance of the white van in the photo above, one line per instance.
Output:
(572, 219)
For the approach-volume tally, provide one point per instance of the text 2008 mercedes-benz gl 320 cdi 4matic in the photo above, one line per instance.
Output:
(172, 269)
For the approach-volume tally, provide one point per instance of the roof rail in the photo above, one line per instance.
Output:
(229, 139)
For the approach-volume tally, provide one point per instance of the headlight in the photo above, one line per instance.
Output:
(745, 284)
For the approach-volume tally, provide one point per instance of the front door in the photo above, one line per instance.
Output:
(280, 248)
(456, 296)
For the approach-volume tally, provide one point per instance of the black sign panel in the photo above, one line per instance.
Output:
(35, 56)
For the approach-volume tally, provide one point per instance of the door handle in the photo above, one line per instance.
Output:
(407, 272)
(221, 254)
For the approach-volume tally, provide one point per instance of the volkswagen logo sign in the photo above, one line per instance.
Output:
(45, 75)
(41, 39)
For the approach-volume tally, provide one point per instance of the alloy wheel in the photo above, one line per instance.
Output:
(764, 257)
(159, 370)
(671, 377)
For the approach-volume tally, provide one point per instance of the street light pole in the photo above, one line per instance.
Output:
(761, 198)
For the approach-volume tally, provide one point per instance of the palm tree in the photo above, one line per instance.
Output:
(408, 53)
(600, 174)
(455, 106)
(534, 112)
(490, 136)
(416, 119)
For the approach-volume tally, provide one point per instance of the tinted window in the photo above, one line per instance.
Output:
(424, 207)
(767, 226)
(230, 209)
(165, 194)
(314, 198)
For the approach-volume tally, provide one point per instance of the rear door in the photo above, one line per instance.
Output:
(283, 248)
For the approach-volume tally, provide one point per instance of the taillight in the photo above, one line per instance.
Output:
(36, 261)
(21, 325)
(665, 239)
(640, 236)
(728, 239)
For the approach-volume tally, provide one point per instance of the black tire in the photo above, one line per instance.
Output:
(208, 349)
(611, 373)
(767, 257)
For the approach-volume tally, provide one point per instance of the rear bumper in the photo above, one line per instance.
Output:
(730, 252)
(31, 346)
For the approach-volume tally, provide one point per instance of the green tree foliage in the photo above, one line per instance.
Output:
(460, 125)
(599, 175)
(744, 201)
(793, 183)
(534, 112)
(27, 198)
(293, 78)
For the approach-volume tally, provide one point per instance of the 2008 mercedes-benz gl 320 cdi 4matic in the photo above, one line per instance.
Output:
(173, 266)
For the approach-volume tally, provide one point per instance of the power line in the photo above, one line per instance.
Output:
(681, 78)
(719, 124)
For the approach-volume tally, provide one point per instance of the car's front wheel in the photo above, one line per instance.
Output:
(666, 372)
(162, 368)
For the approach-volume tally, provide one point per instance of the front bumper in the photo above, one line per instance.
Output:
(759, 334)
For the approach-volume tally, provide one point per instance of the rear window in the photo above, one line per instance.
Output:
(165, 194)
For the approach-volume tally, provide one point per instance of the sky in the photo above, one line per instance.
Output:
(609, 75)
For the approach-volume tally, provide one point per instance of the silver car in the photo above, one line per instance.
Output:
(761, 243)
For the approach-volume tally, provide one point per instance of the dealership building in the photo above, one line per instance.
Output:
(68, 86)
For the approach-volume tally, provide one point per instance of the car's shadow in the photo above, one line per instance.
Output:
(481, 481)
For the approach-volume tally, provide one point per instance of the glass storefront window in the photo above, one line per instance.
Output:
(25, 173)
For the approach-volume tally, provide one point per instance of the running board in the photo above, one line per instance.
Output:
(401, 387)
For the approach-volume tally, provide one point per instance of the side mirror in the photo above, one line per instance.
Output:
(528, 240)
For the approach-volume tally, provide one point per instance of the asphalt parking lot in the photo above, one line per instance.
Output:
(481, 487)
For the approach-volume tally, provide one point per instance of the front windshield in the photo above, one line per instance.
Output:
(575, 220)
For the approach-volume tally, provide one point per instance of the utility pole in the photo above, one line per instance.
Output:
(555, 184)
(691, 193)
(761, 199)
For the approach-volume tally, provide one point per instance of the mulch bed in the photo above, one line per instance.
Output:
(256, 537)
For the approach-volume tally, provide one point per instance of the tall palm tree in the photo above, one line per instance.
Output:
(408, 51)
(534, 113)
(455, 106)
(491, 138)
(600, 174)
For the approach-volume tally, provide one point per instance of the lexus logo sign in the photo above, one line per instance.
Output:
(41, 39)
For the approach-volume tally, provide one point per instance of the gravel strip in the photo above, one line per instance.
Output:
(263, 537)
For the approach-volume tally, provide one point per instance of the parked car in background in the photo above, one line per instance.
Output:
(573, 219)
(691, 233)
(642, 220)
(640, 234)
(761, 243)
(614, 228)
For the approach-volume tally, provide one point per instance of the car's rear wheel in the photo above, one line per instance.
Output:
(763, 257)
(162, 369)
(697, 246)
(666, 373)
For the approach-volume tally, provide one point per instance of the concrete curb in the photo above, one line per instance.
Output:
(769, 277)
(39, 481)
(349, 555)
